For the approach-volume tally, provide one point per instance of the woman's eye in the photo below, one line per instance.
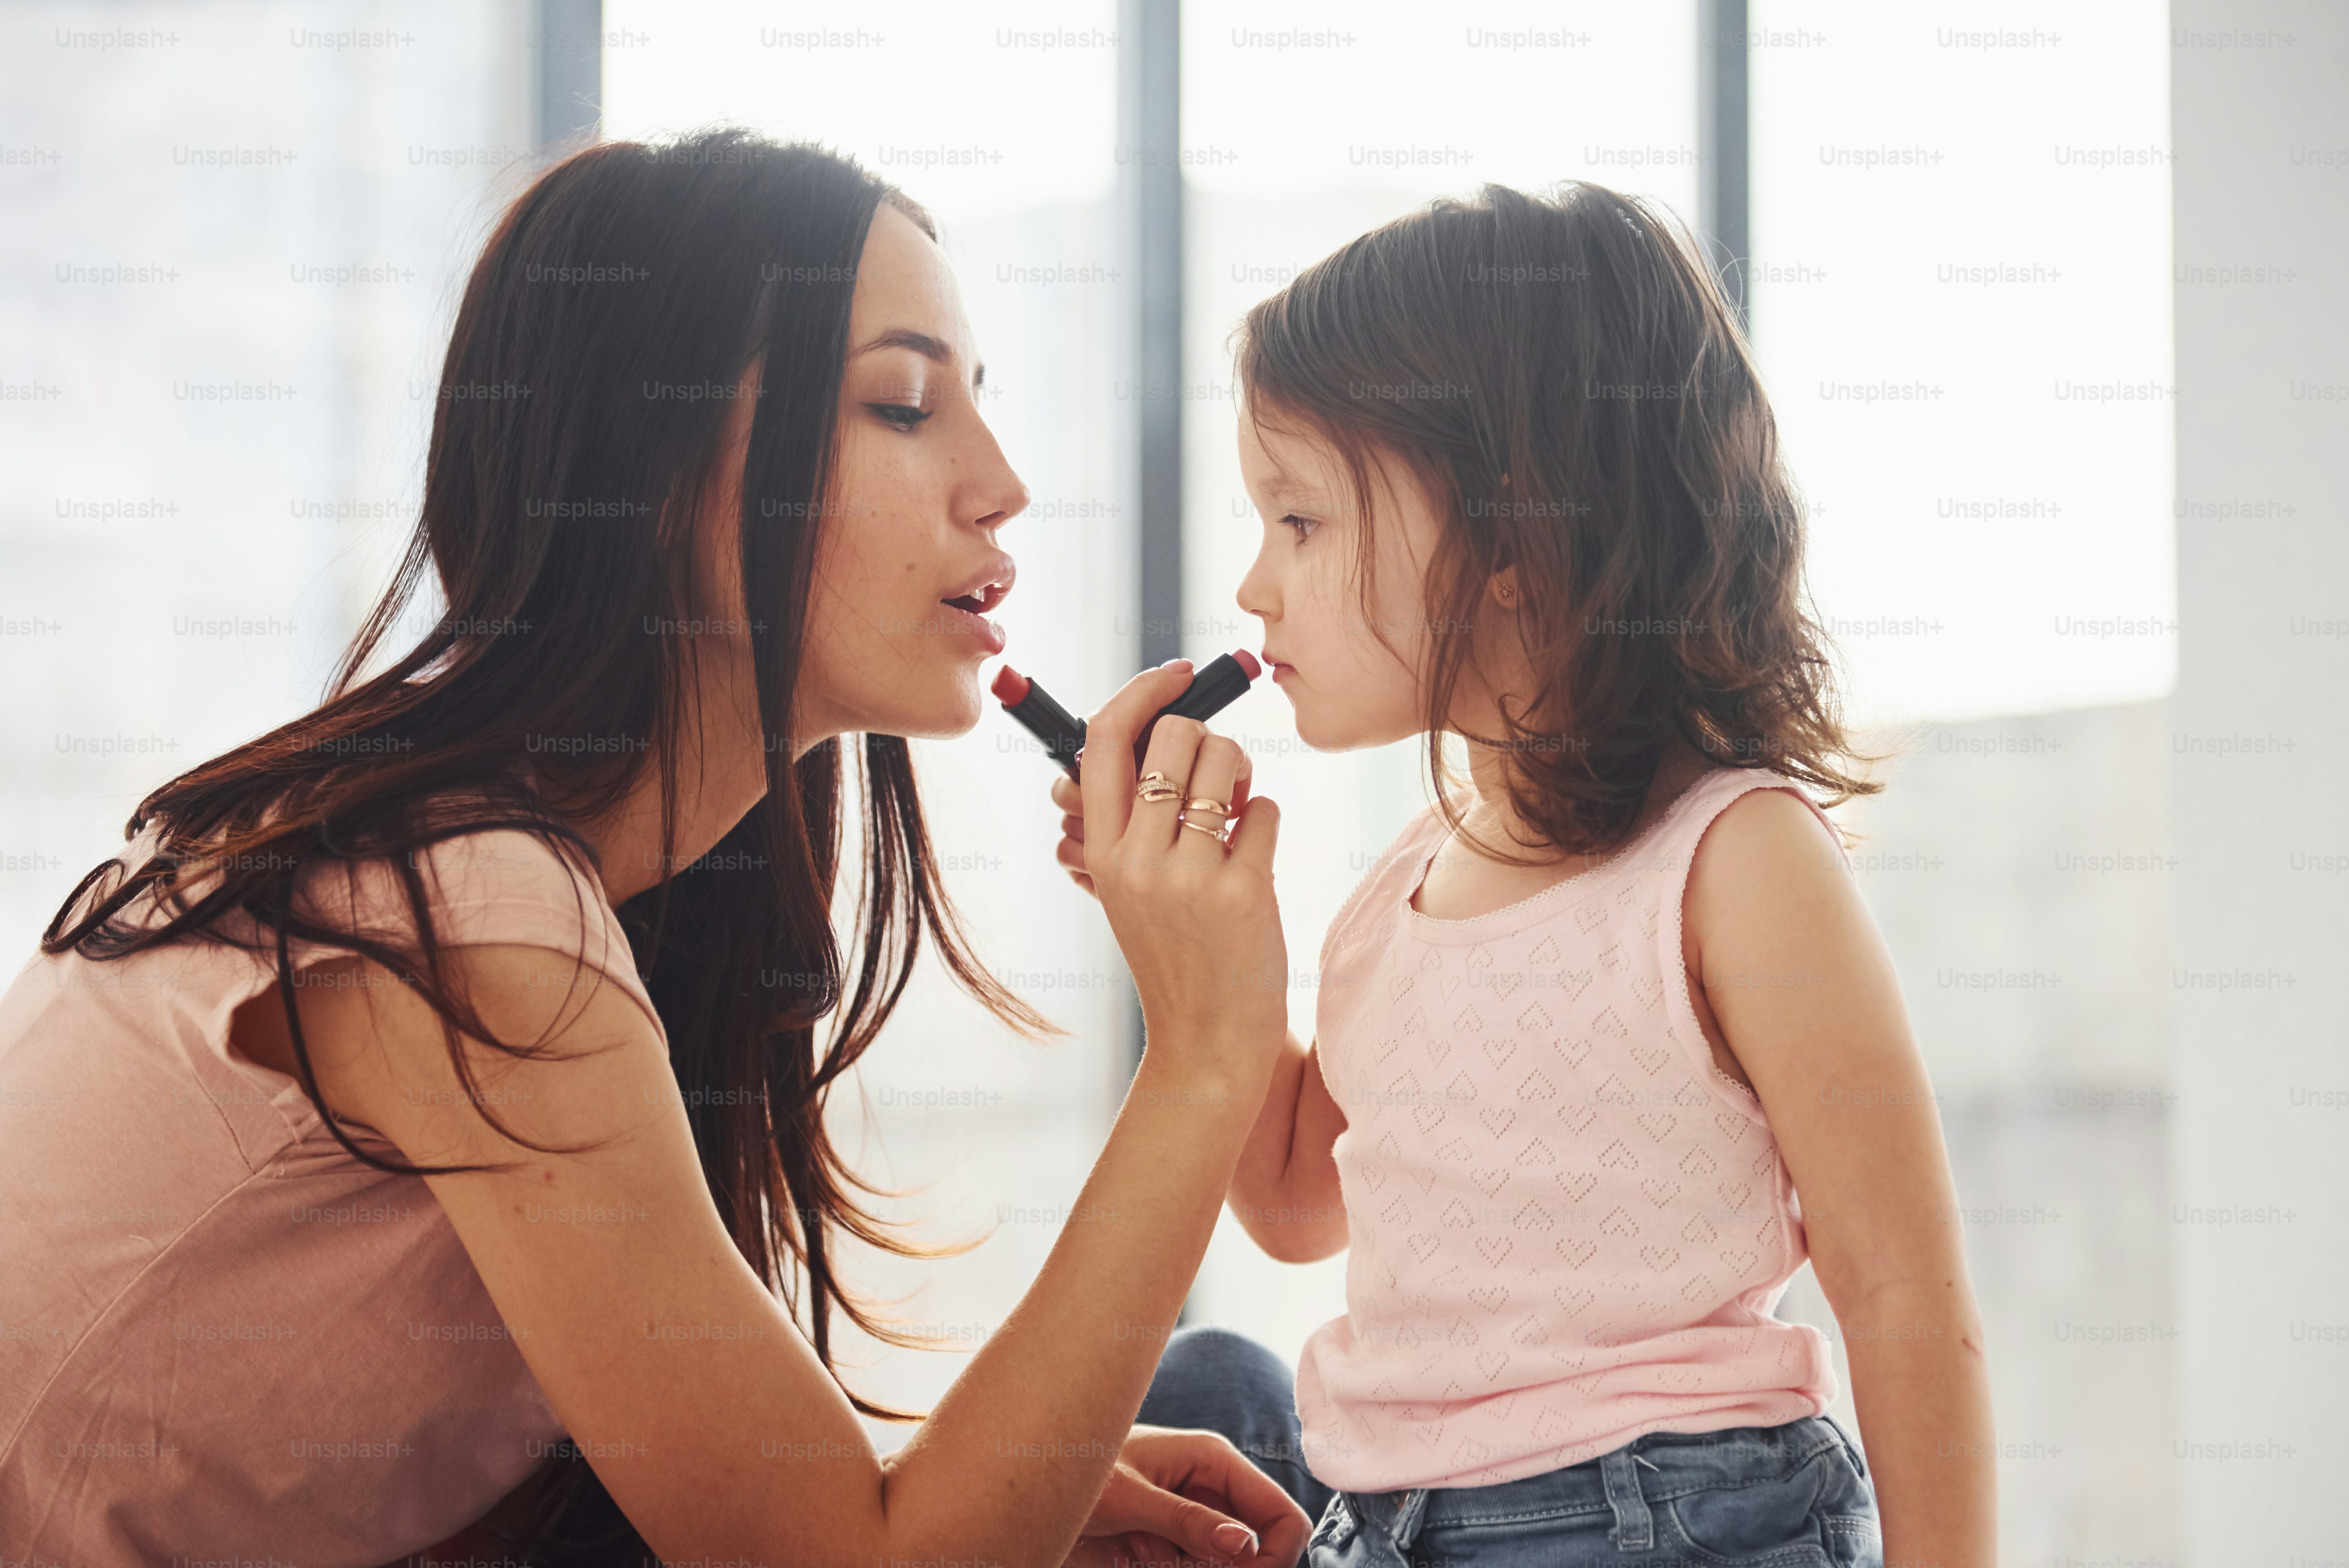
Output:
(905, 416)
(1302, 526)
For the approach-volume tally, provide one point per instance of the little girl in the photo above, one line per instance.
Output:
(1608, 1043)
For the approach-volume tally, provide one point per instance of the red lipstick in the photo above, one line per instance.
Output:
(1212, 690)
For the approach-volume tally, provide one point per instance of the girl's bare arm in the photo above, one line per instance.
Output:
(1804, 991)
(1285, 1191)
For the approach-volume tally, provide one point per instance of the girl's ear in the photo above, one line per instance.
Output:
(1503, 586)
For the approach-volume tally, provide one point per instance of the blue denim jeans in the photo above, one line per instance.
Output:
(1792, 1496)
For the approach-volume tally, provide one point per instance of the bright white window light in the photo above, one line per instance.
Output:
(1962, 303)
(970, 108)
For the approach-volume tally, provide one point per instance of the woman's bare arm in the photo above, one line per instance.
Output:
(1285, 1193)
(706, 1413)
(701, 1405)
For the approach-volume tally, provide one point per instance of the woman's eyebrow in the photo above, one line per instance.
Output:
(921, 343)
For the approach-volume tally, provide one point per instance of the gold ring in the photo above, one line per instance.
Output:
(1214, 834)
(1155, 788)
(1204, 804)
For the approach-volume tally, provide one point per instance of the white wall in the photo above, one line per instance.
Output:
(2260, 1175)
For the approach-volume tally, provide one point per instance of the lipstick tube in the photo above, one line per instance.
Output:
(1225, 678)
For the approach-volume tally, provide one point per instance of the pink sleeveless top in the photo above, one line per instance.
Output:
(219, 1335)
(1569, 1225)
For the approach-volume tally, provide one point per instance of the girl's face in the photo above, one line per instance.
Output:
(907, 566)
(1353, 663)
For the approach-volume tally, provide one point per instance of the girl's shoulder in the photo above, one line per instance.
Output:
(1732, 805)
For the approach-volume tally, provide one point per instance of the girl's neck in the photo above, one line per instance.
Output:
(1491, 817)
(1476, 880)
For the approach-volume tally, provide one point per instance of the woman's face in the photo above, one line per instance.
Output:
(907, 565)
(1351, 664)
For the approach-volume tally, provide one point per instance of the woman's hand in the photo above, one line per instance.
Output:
(1182, 1497)
(1194, 917)
(1071, 850)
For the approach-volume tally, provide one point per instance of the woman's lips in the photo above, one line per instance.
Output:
(983, 633)
(966, 612)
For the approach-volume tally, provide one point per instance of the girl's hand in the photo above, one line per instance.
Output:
(1181, 1498)
(1196, 918)
(1071, 850)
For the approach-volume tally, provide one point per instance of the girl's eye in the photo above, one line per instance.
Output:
(903, 416)
(1302, 526)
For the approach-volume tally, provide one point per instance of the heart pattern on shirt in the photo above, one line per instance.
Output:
(1589, 1083)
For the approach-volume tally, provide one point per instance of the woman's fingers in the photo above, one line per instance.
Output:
(1174, 750)
(1252, 841)
(1208, 1470)
(1230, 1481)
(1106, 764)
(1214, 777)
(1071, 856)
(1193, 1528)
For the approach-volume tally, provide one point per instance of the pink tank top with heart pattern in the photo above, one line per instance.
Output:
(1569, 1226)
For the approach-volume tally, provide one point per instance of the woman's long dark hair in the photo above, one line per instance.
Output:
(579, 415)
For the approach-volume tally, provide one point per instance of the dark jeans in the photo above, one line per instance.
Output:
(1213, 1380)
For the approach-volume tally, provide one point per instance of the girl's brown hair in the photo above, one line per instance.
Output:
(1565, 378)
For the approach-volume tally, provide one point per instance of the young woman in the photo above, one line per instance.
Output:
(431, 1095)
(1607, 1043)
